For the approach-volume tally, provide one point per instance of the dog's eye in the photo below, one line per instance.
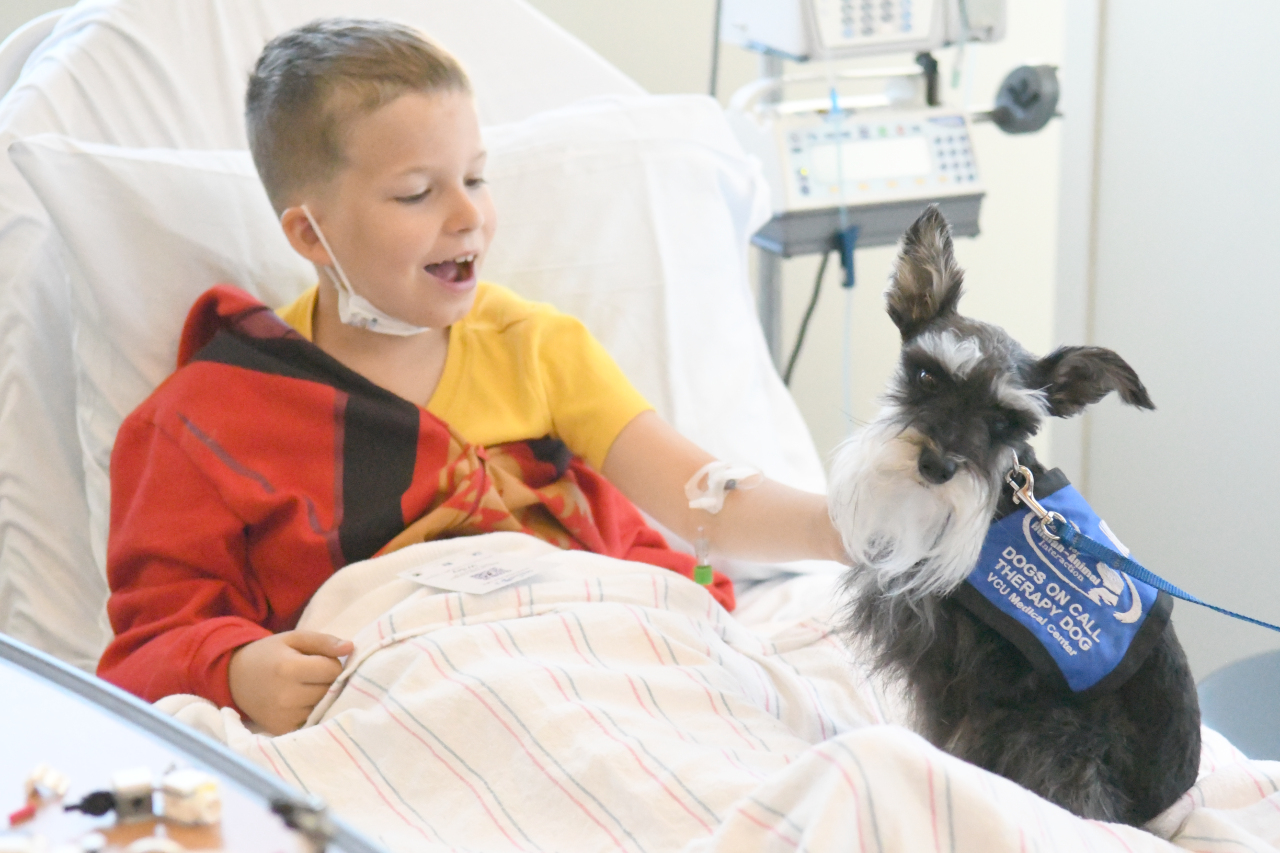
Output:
(1004, 426)
(926, 379)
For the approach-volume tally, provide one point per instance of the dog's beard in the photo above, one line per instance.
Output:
(915, 538)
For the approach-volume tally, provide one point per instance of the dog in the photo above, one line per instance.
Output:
(913, 495)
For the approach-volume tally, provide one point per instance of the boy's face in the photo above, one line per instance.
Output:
(409, 216)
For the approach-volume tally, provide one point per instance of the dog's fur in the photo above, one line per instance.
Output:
(913, 495)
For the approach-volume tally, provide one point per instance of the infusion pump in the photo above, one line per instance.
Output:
(837, 29)
(870, 164)
(869, 158)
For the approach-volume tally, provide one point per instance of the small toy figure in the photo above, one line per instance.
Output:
(133, 791)
(43, 785)
(191, 797)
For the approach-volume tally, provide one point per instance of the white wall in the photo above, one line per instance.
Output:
(665, 45)
(1180, 278)
(16, 12)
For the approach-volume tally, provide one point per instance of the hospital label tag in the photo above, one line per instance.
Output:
(1067, 613)
(475, 572)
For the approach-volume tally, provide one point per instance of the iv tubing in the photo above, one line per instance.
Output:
(843, 212)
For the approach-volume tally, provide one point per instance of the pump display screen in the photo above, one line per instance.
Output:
(871, 160)
(881, 157)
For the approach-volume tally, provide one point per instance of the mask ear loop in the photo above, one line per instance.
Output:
(345, 283)
(354, 309)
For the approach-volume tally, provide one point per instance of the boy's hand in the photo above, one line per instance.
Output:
(277, 680)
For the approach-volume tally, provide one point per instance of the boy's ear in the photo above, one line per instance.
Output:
(302, 237)
(925, 284)
(1075, 377)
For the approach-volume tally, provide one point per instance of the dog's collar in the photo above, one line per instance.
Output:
(1047, 483)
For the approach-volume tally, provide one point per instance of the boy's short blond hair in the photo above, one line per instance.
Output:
(311, 81)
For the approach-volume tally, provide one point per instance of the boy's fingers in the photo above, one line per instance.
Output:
(315, 669)
(317, 643)
(301, 699)
(278, 680)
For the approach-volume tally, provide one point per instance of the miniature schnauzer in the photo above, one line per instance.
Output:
(913, 496)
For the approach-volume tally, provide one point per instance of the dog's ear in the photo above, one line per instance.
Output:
(1075, 377)
(926, 280)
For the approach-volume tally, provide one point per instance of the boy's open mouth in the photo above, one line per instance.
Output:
(459, 269)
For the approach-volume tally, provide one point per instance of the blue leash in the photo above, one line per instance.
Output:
(1059, 528)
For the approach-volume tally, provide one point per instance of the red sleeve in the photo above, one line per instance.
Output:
(183, 597)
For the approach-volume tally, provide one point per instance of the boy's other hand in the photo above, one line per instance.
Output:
(277, 680)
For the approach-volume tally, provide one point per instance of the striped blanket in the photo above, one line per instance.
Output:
(610, 705)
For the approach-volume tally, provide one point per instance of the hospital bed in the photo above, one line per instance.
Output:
(605, 706)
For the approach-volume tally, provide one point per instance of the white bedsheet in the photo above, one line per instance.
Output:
(611, 706)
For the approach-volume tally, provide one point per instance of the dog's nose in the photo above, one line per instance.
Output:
(935, 467)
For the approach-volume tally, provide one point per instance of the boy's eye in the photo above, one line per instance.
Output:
(478, 181)
(410, 199)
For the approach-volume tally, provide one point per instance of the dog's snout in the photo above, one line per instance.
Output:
(935, 467)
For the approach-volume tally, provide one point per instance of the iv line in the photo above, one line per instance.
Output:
(842, 212)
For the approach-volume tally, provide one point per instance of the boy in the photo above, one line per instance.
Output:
(403, 401)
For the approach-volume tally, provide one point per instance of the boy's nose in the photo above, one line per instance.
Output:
(466, 213)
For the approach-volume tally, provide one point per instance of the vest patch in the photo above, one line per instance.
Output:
(1070, 615)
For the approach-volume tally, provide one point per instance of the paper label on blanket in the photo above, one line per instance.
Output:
(1084, 614)
(475, 572)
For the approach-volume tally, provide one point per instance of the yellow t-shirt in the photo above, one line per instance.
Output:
(518, 370)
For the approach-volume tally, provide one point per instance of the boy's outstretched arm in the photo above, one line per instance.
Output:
(650, 463)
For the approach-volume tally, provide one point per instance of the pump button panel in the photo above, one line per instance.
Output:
(864, 158)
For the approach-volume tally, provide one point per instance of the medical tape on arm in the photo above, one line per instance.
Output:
(707, 488)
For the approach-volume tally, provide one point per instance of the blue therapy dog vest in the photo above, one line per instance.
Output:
(1075, 620)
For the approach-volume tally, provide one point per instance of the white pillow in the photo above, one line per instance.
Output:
(146, 231)
(631, 213)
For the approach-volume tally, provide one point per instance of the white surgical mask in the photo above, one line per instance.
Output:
(354, 309)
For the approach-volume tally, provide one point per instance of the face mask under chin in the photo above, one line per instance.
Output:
(353, 309)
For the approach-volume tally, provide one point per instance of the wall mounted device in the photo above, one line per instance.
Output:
(855, 170)
(839, 29)
(882, 167)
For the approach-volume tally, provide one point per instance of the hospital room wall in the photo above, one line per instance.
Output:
(665, 45)
(1177, 259)
(14, 13)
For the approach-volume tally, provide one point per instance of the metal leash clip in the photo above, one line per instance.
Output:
(1025, 495)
